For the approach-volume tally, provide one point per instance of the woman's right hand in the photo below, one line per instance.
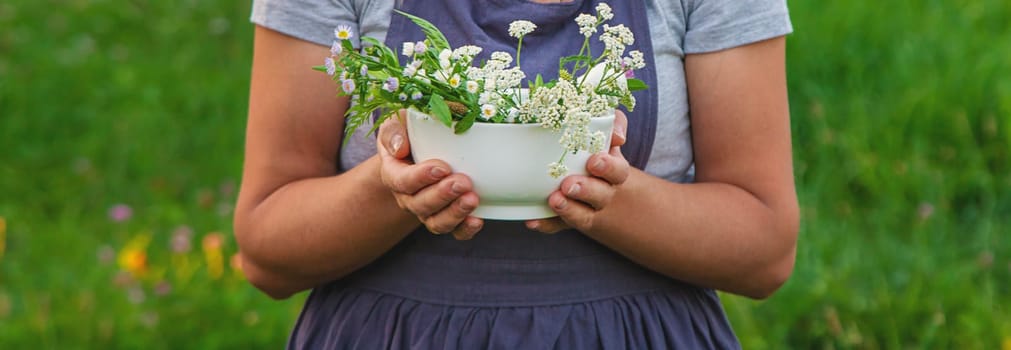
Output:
(442, 200)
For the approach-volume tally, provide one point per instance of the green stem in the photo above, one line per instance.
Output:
(519, 48)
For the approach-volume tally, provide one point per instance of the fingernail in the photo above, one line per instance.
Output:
(456, 189)
(467, 205)
(598, 165)
(396, 142)
(472, 226)
(573, 189)
(561, 204)
(620, 131)
(438, 173)
(534, 225)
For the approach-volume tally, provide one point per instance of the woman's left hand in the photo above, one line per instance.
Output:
(579, 198)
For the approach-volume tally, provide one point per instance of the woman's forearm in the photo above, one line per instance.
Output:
(711, 234)
(318, 229)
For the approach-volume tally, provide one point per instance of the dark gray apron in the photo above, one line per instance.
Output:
(511, 288)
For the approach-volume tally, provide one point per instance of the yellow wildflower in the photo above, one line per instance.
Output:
(212, 254)
(133, 257)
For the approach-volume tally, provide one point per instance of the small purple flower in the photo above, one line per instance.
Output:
(106, 254)
(629, 74)
(336, 48)
(416, 95)
(331, 67)
(120, 213)
(182, 240)
(420, 47)
(391, 84)
(348, 86)
(163, 288)
(364, 71)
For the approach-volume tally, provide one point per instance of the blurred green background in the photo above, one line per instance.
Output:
(121, 130)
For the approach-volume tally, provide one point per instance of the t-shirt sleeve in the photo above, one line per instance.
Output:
(714, 25)
(310, 20)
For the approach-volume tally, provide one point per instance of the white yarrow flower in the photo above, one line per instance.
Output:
(557, 170)
(587, 24)
(520, 28)
(604, 11)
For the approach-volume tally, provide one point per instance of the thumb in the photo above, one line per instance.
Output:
(393, 137)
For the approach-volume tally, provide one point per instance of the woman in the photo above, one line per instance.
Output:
(704, 201)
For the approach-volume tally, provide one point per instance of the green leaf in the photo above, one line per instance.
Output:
(636, 85)
(437, 106)
(387, 56)
(468, 121)
(435, 36)
(575, 58)
(346, 44)
(319, 68)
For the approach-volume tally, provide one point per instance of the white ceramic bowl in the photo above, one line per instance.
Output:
(508, 163)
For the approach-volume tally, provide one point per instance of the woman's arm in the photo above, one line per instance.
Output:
(298, 223)
(735, 229)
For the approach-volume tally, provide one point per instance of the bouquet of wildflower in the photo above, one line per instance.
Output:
(444, 83)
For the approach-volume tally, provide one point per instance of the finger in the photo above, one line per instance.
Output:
(435, 198)
(620, 128)
(574, 213)
(447, 219)
(612, 166)
(468, 228)
(549, 226)
(593, 192)
(404, 177)
(393, 137)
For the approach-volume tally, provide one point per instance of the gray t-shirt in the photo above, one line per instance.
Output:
(677, 27)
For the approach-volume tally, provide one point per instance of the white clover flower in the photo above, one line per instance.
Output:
(454, 81)
(336, 49)
(473, 87)
(331, 68)
(587, 24)
(488, 111)
(343, 32)
(518, 29)
(556, 169)
(407, 49)
(604, 11)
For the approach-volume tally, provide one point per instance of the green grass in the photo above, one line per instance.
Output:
(902, 134)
